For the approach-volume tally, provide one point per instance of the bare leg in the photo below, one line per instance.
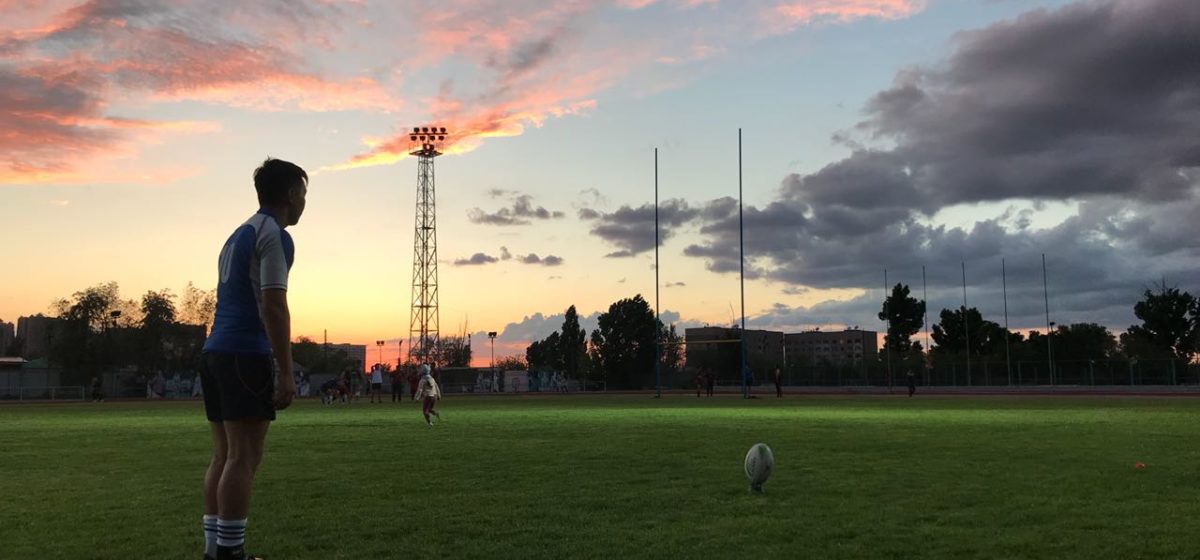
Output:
(245, 449)
(216, 465)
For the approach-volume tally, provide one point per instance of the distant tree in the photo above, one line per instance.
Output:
(453, 351)
(197, 307)
(1083, 341)
(671, 356)
(623, 344)
(94, 306)
(158, 315)
(951, 334)
(546, 354)
(905, 316)
(88, 314)
(1170, 326)
(572, 345)
(511, 363)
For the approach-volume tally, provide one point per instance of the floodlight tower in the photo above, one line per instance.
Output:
(426, 144)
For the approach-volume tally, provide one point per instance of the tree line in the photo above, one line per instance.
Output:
(1169, 329)
(621, 351)
(98, 330)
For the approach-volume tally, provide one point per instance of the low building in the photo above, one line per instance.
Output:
(356, 352)
(37, 335)
(836, 347)
(719, 349)
(8, 333)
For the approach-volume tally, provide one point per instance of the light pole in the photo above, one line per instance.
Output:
(1050, 349)
(112, 345)
(380, 344)
(492, 338)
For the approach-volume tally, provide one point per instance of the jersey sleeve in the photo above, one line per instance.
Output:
(274, 260)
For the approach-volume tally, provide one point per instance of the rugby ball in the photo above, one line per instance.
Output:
(759, 462)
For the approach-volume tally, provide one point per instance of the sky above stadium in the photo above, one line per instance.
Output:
(877, 134)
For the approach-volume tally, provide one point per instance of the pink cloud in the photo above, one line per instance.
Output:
(491, 68)
(66, 63)
(790, 15)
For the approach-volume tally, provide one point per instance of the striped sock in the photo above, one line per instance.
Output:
(231, 534)
(210, 536)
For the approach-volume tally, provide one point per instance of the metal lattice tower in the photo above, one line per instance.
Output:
(427, 142)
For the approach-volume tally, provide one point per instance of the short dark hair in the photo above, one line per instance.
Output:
(273, 179)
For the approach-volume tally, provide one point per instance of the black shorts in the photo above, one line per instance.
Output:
(238, 386)
(377, 386)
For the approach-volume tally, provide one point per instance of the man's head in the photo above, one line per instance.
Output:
(282, 186)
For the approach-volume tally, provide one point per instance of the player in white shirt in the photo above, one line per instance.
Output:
(430, 393)
(377, 383)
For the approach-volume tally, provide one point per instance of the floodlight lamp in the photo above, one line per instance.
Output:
(415, 129)
(413, 137)
(425, 129)
(443, 130)
(441, 137)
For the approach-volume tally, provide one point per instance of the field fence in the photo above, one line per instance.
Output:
(688, 374)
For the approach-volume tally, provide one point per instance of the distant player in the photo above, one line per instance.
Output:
(329, 392)
(710, 380)
(252, 324)
(912, 383)
(429, 393)
(398, 385)
(97, 395)
(377, 383)
(778, 383)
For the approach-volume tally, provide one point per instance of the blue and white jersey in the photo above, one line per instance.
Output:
(256, 257)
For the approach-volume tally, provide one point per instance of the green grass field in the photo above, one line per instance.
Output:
(622, 476)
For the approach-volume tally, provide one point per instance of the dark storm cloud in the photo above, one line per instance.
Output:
(1096, 98)
(476, 259)
(521, 213)
(631, 230)
(1095, 103)
(548, 260)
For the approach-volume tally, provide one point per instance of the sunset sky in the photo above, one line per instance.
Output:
(878, 134)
